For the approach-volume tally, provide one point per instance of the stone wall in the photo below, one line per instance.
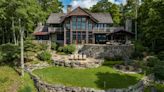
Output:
(45, 87)
(106, 51)
(77, 64)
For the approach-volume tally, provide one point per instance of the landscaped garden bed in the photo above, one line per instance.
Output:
(103, 77)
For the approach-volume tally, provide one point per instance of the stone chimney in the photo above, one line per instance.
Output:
(69, 8)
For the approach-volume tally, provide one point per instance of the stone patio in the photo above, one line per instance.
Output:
(65, 61)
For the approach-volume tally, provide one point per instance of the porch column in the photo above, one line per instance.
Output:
(111, 37)
(87, 31)
(71, 30)
(126, 38)
(49, 42)
(65, 39)
(93, 39)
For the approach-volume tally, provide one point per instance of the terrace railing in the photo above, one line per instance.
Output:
(106, 29)
(54, 29)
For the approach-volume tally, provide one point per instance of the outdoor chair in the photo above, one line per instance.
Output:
(76, 57)
(71, 57)
(80, 57)
(84, 57)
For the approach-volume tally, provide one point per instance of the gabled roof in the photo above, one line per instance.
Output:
(103, 17)
(41, 30)
(57, 18)
(79, 12)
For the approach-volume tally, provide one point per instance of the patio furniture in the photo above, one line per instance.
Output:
(84, 57)
(76, 57)
(71, 57)
(80, 57)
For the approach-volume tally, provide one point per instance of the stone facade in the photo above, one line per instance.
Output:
(106, 51)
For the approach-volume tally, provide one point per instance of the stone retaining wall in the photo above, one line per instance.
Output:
(45, 87)
(106, 51)
(77, 64)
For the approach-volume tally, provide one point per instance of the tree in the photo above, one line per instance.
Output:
(50, 6)
(151, 23)
(108, 7)
(29, 11)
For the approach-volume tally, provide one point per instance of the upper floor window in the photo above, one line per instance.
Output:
(68, 24)
(78, 23)
(89, 25)
(73, 23)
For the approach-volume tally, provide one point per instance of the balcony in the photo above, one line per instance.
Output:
(55, 29)
(107, 29)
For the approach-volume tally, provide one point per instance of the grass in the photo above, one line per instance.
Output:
(158, 87)
(27, 84)
(10, 81)
(94, 78)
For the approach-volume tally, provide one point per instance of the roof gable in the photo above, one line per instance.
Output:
(79, 12)
(57, 18)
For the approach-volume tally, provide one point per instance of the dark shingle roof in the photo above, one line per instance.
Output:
(102, 17)
(41, 30)
(55, 18)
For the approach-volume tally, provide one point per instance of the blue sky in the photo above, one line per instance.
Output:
(84, 3)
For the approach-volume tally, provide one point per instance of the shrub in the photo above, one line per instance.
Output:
(44, 46)
(151, 61)
(54, 46)
(32, 46)
(139, 49)
(69, 49)
(60, 49)
(9, 52)
(159, 70)
(44, 56)
(161, 55)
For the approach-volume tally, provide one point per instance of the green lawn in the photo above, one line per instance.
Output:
(10, 81)
(94, 78)
(159, 88)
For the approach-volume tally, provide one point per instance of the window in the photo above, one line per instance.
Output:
(83, 23)
(42, 37)
(89, 25)
(78, 23)
(60, 36)
(68, 24)
(73, 23)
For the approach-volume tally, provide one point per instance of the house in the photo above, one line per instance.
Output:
(79, 26)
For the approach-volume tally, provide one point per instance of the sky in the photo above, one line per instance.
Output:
(85, 3)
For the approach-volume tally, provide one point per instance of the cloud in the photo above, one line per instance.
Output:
(89, 3)
(83, 3)
(118, 1)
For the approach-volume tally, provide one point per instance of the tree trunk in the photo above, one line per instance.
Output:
(14, 36)
(22, 48)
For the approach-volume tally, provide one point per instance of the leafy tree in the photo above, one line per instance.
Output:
(108, 7)
(151, 23)
(29, 11)
(50, 6)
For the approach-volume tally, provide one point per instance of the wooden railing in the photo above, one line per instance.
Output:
(54, 29)
(106, 29)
